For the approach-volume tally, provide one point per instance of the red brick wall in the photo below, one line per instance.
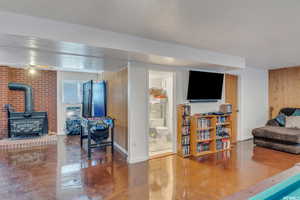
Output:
(44, 87)
(3, 100)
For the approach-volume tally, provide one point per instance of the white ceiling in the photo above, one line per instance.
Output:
(265, 32)
(21, 51)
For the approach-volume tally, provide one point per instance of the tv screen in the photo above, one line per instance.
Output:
(205, 86)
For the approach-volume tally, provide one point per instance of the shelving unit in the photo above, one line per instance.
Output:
(183, 130)
(223, 125)
(210, 134)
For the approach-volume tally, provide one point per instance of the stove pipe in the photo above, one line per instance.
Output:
(27, 94)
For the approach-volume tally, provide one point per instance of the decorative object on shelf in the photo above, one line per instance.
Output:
(183, 129)
(226, 108)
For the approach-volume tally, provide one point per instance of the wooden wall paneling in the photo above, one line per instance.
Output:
(117, 103)
(231, 96)
(284, 89)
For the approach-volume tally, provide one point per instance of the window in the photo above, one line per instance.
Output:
(72, 92)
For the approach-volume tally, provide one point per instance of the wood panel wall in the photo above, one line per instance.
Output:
(284, 89)
(117, 103)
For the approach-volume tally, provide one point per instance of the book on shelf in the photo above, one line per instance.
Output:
(186, 121)
(186, 110)
(221, 119)
(203, 123)
(186, 150)
(222, 132)
(202, 146)
(222, 144)
(203, 134)
(185, 140)
(184, 129)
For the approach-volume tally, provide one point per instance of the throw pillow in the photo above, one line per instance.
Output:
(280, 119)
(297, 112)
(292, 122)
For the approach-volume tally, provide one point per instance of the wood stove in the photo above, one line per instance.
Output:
(29, 123)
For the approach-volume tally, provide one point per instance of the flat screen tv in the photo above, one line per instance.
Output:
(204, 86)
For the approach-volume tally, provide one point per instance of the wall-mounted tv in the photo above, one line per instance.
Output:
(204, 86)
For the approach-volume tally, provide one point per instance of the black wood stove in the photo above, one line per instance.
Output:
(29, 123)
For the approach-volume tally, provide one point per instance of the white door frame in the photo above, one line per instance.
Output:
(173, 105)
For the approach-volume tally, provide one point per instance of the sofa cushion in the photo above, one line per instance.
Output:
(277, 146)
(278, 133)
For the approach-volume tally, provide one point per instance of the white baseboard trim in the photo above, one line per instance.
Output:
(120, 148)
(137, 160)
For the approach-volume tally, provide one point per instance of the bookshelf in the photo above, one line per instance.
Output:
(210, 134)
(183, 130)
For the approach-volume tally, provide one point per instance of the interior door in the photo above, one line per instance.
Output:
(231, 96)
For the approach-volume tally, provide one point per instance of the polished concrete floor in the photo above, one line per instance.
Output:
(157, 147)
(62, 171)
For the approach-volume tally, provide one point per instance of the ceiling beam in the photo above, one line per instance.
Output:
(16, 24)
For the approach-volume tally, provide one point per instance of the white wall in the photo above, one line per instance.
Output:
(61, 76)
(253, 98)
(253, 103)
(137, 113)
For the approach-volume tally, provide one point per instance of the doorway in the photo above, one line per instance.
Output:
(160, 112)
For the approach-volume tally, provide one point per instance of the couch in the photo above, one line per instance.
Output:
(276, 136)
